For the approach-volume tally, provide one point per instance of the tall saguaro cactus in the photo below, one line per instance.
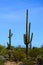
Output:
(27, 38)
(10, 35)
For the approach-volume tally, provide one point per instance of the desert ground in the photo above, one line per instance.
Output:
(13, 63)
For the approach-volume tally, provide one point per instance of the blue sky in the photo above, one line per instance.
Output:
(13, 16)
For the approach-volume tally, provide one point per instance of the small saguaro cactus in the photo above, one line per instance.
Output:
(10, 35)
(9, 45)
(27, 39)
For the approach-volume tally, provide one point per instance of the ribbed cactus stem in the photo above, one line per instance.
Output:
(27, 26)
(26, 50)
(27, 33)
(10, 35)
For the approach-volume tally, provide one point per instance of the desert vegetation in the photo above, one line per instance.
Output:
(27, 56)
(19, 55)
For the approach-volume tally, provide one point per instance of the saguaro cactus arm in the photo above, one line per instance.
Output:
(29, 32)
(31, 38)
(24, 38)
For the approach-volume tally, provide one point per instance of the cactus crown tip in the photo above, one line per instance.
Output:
(27, 9)
(9, 29)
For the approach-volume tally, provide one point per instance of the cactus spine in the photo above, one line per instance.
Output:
(27, 39)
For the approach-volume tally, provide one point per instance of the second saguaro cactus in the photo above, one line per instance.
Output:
(9, 45)
(27, 38)
(10, 35)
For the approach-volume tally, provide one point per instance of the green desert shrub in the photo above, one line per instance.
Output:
(2, 60)
(3, 50)
(27, 62)
(34, 52)
(19, 55)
